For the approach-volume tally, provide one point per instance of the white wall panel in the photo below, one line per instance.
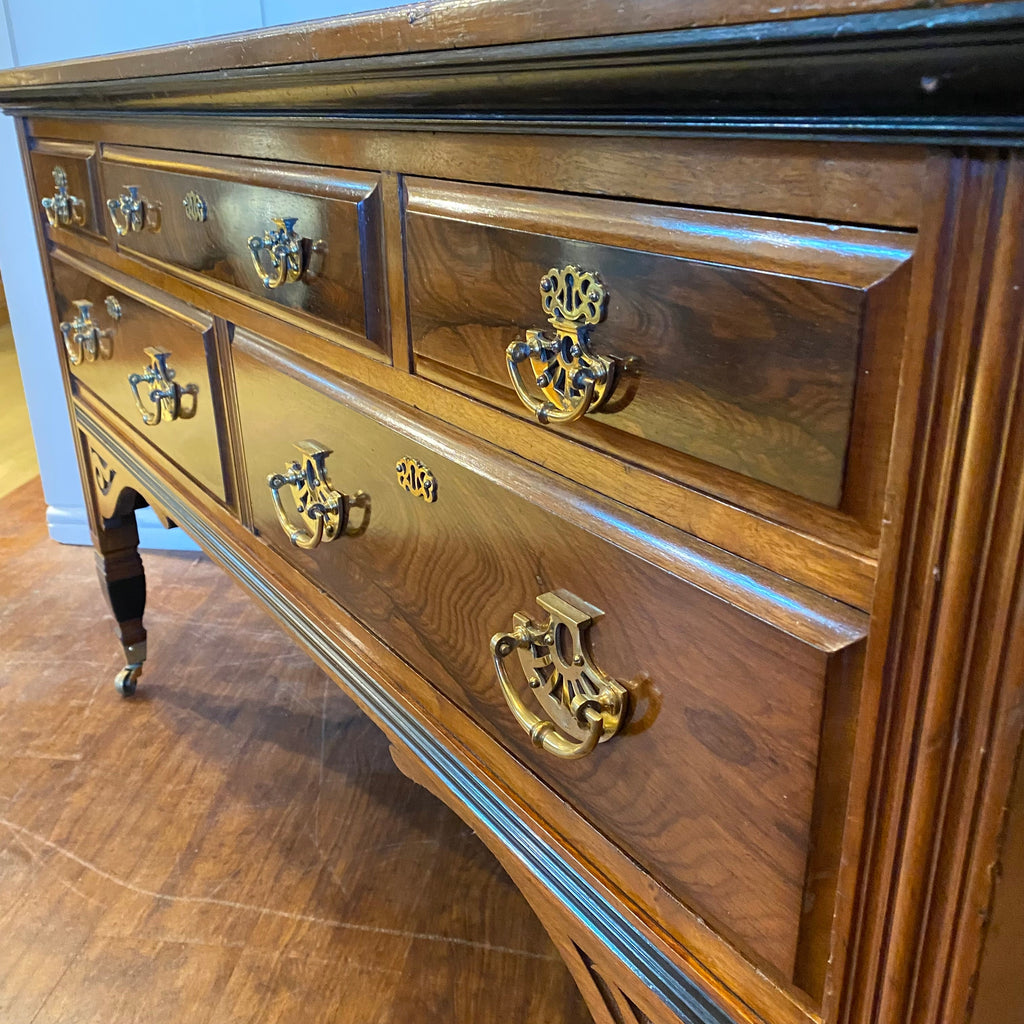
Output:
(64, 29)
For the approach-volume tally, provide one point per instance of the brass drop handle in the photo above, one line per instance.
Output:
(572, 378)
(282, 256)
(165, 393)
(62, 208)
(324, 512)
(84, 339)
(131, 212)
(586, 705)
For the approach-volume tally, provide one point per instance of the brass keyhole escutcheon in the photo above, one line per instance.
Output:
(417, 479)
(195, 206)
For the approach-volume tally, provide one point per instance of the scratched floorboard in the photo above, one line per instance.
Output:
(233, 845)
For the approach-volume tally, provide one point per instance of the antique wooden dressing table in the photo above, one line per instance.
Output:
(624, 403)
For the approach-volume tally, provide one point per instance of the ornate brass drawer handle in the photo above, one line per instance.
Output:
(165, 393)
(587, 705)
(84, 339)
(324, 511)
(130, 212)
(283, 256)
(62, 208)
(573, 379)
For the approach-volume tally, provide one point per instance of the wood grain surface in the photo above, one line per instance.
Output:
(949, 735)
(827, 548)
(804, 819)
(712, 785)
(338, 214)
(999, 995)
(739, 337)
(653, 915)
(149, 319)
(79, 164)
(849, 182)
(446, 24)
(806, 543)
(233, 845)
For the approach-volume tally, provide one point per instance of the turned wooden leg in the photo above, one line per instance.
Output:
(124, 582)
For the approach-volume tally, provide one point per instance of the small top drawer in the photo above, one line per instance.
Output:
(147, 356)
(751, 343)
(64, 175)
(281, 234)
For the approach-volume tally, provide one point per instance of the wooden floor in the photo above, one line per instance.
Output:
(17, 454)
(234, 844)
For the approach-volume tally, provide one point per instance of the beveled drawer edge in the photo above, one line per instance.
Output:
(60, 147)
(799, 611)
(323, 330)
(611, 927)
(345, 184)
(146, 294)
(845, 254)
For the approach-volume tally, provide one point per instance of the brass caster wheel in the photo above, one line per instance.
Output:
(127, 679)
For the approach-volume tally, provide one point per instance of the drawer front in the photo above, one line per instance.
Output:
(112, 331)
(64, 176)
(742, 341)
(710, 787)
(198, 214)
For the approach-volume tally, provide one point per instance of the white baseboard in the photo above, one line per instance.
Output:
(69, 525)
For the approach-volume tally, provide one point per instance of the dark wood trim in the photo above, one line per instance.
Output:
(420, 27)
(908, 131)
(920, 74)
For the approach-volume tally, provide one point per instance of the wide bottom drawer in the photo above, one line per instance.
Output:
(711, 785)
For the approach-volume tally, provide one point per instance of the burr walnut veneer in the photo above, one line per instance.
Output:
(625, 406)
